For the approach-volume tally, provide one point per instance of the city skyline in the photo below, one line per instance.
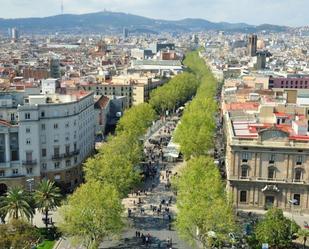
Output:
(251, 12)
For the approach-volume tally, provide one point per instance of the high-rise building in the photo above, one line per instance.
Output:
(14, 34)
(252, 45)
(125, 33)
(55, 68)
(260, 60)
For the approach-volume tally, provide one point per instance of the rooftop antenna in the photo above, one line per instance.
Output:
(62, 7)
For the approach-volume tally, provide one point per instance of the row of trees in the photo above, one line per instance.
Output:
(94, 211)
(205, 214)
(175, 93)
(195, 132)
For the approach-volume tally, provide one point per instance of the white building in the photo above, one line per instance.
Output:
(54, 136)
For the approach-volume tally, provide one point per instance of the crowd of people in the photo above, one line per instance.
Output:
(155, 170)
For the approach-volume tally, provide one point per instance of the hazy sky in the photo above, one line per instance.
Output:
(285, 12)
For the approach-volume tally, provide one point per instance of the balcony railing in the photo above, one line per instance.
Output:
(29, 162)
(270, 180)
(71, 153)
(65, 155)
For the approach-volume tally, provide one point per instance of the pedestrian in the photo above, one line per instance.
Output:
(143, 238)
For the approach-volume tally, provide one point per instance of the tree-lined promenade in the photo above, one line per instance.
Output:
(116, 166)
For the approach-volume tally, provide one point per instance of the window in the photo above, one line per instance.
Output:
(15, 171)
(68, 163)
(244, 171)
(297, 198)
(27, 130)
(67, 149)
(55, 126)
(56, 138)
(272, 158)
(243, 196)
(42, 114)
(28, 156)
(2, 173)
(245, 157)
(75, 159)
(44, 165)
(43, 127)
(44, 152)
(56, 151)
(29, 171)
(43, 139)
(67, 125)
(271, 173)
(75, 146)
(57, 165)
(299, 160)
(298, 175)
(27, 115)
(28, 141)
(67, 136)
(12, 116)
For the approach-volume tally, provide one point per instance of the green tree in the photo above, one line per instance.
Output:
(303, 234)
(47, 197)
(275, 229)
(92, 213)
(116, 163)
(202, 203)
(136, 120)
(16, 204)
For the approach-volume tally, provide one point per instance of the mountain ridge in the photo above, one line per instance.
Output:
(106, 21)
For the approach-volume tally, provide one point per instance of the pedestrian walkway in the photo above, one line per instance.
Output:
(153, 207)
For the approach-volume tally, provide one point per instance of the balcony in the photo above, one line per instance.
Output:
(65, 155)
(56, 157)
(268, 180)
(29, 162)
(71, 153)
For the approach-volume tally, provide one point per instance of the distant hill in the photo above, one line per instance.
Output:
(113, 22)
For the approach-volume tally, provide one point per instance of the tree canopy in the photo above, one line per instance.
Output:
(275, 229)
(202, 202)
(16, 203)
(92, 213)
(174, 93)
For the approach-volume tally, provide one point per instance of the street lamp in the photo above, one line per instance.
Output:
(30, 181)
(292, 202)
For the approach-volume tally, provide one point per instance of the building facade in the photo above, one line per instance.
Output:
(52, 138)
(267, 158)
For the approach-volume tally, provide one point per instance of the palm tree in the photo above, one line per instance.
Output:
(16, 203)
(304, 234)
(47, 197)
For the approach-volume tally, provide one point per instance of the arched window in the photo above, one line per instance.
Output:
(244, 171)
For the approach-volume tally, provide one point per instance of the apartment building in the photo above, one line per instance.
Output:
(267, 156)
(52, 136)
(134, 87)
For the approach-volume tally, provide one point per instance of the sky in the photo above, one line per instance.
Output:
(282, 12)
